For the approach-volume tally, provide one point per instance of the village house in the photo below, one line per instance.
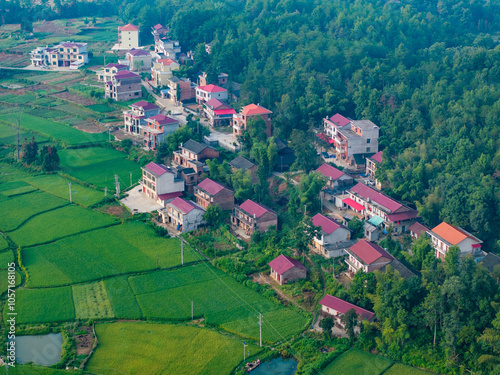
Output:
(352, 140)
(205, 93)
(183, 215)
(416, 230)
(136, 116)
(251, 111)
(367, 256)
(251, 216)
(241, 164)
(379, 209)
(371, 231)
(286, 155)
(66, 54)
(124, 85)
(337, 307)
(109, 71)
(337, 180)
(160, 183)
(157, 128)
(490, 262)
(285, 269)
(404, 271)
(194, 151)
(333, 237)
(372, 162)
(211, 193)
(128, 36)
(167, 48)
(161, 71)
(446, 235)
(179, 90)
(208, 48)
(159, 31)
(233, 88)
(218, 113)
(138, 60)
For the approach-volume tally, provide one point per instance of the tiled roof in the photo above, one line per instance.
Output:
(167, 196)
(211, 88)
(283, 263)
(210, 186)
(327, 224)
(339, 119)
(254, 109)
(330, 172)
(241, 163)
(378, 157)
(417, 228)
(353, 204)
(383, 200)
(404, 271)
(490, 261)
(162, 119)
(369, 252)
(194, 146)
(220, 112)
(215, 103)
(145, 105)
(157, 169)
(72, 45)
(125, 74)
(184, 206)
(138, 52)
(165, 61)
(342, 307)
(158, 26)
(253, 208)
(114, 65)
(451, 234)
(128, 27)
(410, 214)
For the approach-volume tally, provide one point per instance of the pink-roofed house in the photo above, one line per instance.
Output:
(367, 256)
(139, 59)
(240, 120)
(183, 215)
(124, 85)
(416, 230)
(160, 183)
(128, 36)
(209, 193)
(158, 126)
(333, 238)
(337, 307)
(205, 93)
(109, 70)
(218, 112)
(336, 178)
(251, 216)
(136, 116)
(285, 269)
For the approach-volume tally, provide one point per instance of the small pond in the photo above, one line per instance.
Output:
(277, 366)
(43, 350)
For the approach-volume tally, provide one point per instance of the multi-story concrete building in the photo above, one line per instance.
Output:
(372, 162)
(66, 54)
(446, 235)
(136, 116)
(124, 85)
(251, 216)
(218, 113)
(333, 237)
(205, 93)
(336, 178)
(240, 120)
(179, 90)
(211, 193)
(162, 70)
(157, 128)
(183, 215)
(194, 151)
(160, 183)
(138, 60)
(167, 48)
(107, 73)
(128, 36)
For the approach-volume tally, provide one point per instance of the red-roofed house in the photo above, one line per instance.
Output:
(337, 307)
(136, 116)
(367, 256)
(159, 30)
(209, 193)
(336, 178)
(160, 183)
(218, 112)
(109, 70)
(182, 214)
(372, 162)
(333, 235)
(161, 71)
(250, 216)
(205, 93)
(416, 230)
(139, 60)
(251, 111)
(158, 126)
(284, 269)
(392, 212)
(124, 85)
(128, 36)
(445, 235)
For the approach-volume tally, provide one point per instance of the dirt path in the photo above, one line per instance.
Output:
(263, 279)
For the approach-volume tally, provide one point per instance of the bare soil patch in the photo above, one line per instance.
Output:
(74, 98)
(90, 127)
(84, 341)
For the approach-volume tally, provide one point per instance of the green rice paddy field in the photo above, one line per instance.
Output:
(36, 370)
(164, 349)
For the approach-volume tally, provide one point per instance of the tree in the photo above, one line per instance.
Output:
(127, 145)
(350, 320)
(327, 324)
(306, 156)
(356, 227)
(451, 260)
(303, 235)
(50, 159)
(420, 249)
(213, 216)
(29, 151)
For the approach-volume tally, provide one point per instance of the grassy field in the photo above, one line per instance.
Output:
(6, 257)
(165, 349)
(400, 369)
(91, 301)
(98, 166)
(356, 362)
(3, 278)
(36, 370)
(130, 247)
(12, 188)
(55, 130)
(122, 298)
(58, 186)
(8, 135)
(18, 209)
(44, 305)
(101, 108)
(59, 223)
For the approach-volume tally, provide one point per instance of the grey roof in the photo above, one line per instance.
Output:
(281, 144)
(403, 270)
(194, 146)
(364, 124)
(370, 228)
(241, 163)
(490, 261)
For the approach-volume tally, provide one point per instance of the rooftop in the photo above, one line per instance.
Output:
(383, 200)
(282, 263)
(252, 208)
(490, 261)
(165, 62)
(369, 252)
(330, 172)
(378, 157)
(128, 27)
(211, 88)
(144, 105)
(114, 65)
(210, 186)
(342, 307)
(125, 74)
(254, 109)
(417, 228)
(451, 234)
(241, 163)
(364, 124)
(339, 120)
(157, 169)
(194, 146)
(184, 206)
(163, 120)
(328, 225)
(138, 52)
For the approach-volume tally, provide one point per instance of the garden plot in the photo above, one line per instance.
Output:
(91, 301)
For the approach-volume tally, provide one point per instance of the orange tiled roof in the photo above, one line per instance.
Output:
(128, 27)
(254, 109)
(450, 233)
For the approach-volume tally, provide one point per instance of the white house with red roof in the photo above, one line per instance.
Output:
(205, 93)
(157, 128)
(128, 36)
(367, 256)
(182, 214)
(446, 235)
(136, 116)
(138, 60)
(162, 70)
(251, 216)
(66, 54)
(333, 239)
(337, 307)
(285, 269)
(109, 70)
(251, 111)
(160, 183)
(380, 208)
(336, 178)
(218, 112)
(124, 85)
(210, 193)
(372, 162)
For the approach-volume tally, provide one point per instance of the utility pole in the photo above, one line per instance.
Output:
(70, 200)
(117, 186)
(182, 252)
(192, 310)
(244, 351)
(105, 191)
(18, 131)
(334, 268)
(130, 178)
(260, 328)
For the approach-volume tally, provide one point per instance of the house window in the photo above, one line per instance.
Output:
(368, 149)
(368, 140)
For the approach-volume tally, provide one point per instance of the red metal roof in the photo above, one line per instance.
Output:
(378, 157)
(253, 208)
(339, 119)
(163, 120)
(125, 74)
(342, 307)
(158, 26)
(157, 169)
(330, 172)
(283, 263)
(114, 65)
(220, 112)
(184, 206)
(369, 252)
(323, 137)
(215, 103)
(383, 200)
(254, 109)
(211, 88)
(328, 225)
(128, 27)
(411, 214)
(210, 186)
(138, 52)
(418, 228)
(145, 105)
(353, 204)
(166, 197)
(165, 61)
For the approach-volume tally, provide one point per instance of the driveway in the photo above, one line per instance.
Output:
(139, 202)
